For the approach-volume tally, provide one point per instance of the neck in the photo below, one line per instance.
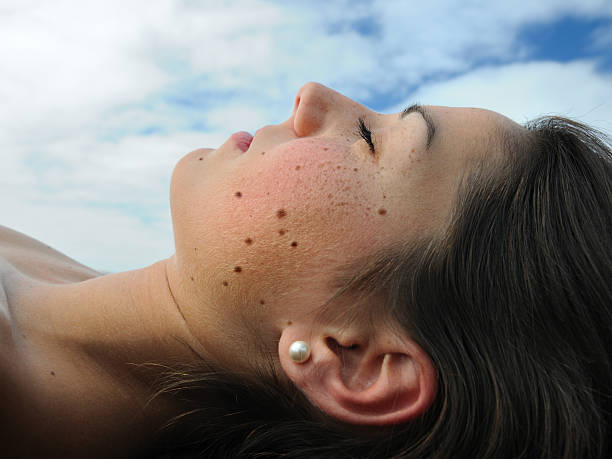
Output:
(84, 353)
(124, 317)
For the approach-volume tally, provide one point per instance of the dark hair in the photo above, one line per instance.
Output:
(512, 302)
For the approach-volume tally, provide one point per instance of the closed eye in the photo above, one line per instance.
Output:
(365, 134)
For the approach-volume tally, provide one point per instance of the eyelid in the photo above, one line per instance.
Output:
(422, 110)
(366, 134)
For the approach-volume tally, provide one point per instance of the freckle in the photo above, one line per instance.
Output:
(237, 269)
(262, 302)
(368, 209)
(325, 148)
(195, 249)
(297, 168)
(191, 277)
(263, 152)
(294, 244)
(53, 373)
(338, 167)
(248, 241)
(355, 169)
(382, 211)
(281, 232)
(200, 158)
(23, 336)
(281, 213)
(384, 196)
(289, 322)
(329, 195)
(225, 283)
(412, 150)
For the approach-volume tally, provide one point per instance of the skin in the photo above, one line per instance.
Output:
(312, 199)
(340, 201)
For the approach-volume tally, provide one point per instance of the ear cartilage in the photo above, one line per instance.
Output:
(299, 351)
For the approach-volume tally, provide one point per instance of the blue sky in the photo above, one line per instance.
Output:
(99, 100)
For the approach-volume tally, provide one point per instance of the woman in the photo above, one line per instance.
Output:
(434, 283)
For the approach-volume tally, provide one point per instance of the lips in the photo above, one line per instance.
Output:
(242, 140)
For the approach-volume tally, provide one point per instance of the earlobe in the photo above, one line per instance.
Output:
(299, 351)
(376, 382)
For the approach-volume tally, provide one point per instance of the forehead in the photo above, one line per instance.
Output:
(470, 132)
(468, 122)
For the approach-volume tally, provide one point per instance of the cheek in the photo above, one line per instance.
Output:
(308, 194)
(300, 207)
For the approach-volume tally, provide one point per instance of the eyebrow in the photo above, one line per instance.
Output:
(431, 125)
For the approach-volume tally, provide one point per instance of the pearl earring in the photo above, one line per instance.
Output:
(299, 351)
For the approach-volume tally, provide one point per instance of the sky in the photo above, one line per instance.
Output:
(100, 99)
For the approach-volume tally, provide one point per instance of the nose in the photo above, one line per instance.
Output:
(318, 108)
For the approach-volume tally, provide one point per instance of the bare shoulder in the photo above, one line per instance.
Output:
(38, 260)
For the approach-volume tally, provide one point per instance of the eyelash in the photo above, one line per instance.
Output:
(365, 134)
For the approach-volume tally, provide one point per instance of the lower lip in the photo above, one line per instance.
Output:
(242, 140)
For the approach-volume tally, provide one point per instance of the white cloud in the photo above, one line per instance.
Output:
(81, 84)
(63, 62)
(527, 90)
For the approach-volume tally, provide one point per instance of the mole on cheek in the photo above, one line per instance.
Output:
(191, 277)
(294, 244)
(325, 148)
(53, 373)
(281, 213)
(297, 168)
(237, 269)
(262, 302)
(238, 194)
(225, 283)
(248, 241)
(263, 152)
(382, 211)
(200, 158)
(281, 232)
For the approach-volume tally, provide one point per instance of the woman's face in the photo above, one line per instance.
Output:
(262, 226)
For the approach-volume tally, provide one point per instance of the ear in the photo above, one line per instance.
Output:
(382, 380)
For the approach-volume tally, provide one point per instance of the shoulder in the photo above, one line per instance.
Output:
(34, 259)
(34, 371)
